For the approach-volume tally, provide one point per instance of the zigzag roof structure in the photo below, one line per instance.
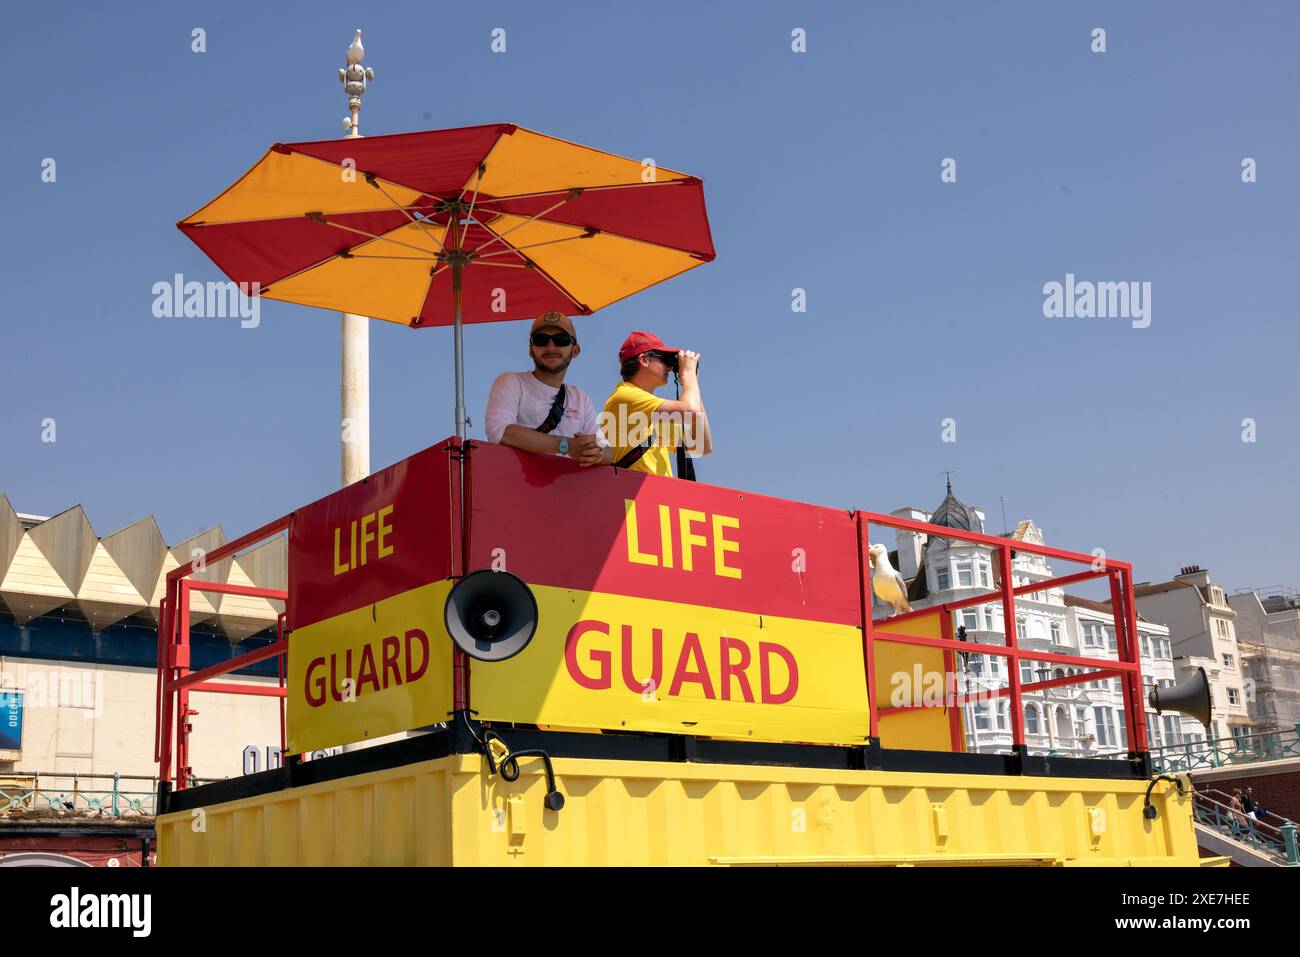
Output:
(59, 564)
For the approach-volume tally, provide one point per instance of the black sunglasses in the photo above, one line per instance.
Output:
(559, 338)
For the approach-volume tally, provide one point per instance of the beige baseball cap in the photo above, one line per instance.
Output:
(557, 319)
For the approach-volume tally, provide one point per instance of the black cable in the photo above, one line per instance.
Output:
(509, 767)
(1149, 810)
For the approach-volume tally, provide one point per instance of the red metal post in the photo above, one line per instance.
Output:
(1009, 628)
(1126, 645)
(181, 659)
(868, 631)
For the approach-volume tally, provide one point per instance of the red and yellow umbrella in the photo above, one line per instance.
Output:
(365, 225)
(478, 224)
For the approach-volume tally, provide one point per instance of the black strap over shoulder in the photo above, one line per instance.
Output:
(633, 455)
(685, 465)
(557, 412)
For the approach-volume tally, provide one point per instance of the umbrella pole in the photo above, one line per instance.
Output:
(460, 350)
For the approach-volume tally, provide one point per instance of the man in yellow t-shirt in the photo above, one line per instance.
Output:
(644, 429)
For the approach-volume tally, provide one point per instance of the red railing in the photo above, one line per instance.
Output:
(1119, 574)
(176, 682)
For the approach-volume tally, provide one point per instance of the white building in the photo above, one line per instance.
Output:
(1202, 628)
(1073, 720)
(1268, 636)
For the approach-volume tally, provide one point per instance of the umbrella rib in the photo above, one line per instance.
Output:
(585, 189)
(496, 237)
(530, 264)
(564, 292)
(374, 181)
(514, 249)
(396, 242)
(478, 181)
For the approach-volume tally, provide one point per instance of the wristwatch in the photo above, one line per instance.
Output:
(563, 448)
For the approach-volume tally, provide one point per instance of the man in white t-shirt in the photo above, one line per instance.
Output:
(538, 411)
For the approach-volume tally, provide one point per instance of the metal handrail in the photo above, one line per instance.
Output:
(112, 801)
(1218, 752)
(1279, 841)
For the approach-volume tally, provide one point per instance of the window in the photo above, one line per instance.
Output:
(1056, 633)
(1153, 731)
(981, 712)
(985, 578)
(1234, 697)
(988, 618)
(1105, 720)
(976, 665)
(1093, 636)
(1110, 638)
(964, 579)
(1171, 730)
(1021, 634)
(1001, 712)
(1227, 661)
(1162, 648)
(1239, 733)
(941, 580)
(970, 618)
(1122, 740)
(1146, 646)
(1026, 672)
(1031, 720)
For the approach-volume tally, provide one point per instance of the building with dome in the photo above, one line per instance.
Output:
(1073, 720)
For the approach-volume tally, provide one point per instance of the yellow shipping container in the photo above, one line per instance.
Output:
(451, 811)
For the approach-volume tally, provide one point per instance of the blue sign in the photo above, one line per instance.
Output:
(11, 720)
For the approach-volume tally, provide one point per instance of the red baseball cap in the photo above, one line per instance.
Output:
(641, 342)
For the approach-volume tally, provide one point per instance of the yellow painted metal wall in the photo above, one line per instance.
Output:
(449, 811)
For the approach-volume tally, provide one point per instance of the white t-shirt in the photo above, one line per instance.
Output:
(520, 398)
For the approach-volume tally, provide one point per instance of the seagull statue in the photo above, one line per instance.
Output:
(886, 583)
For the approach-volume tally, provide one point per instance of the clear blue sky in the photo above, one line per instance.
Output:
(821, 171)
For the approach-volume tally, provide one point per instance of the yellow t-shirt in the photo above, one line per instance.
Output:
(627, 418)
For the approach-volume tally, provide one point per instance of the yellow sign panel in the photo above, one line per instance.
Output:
(637, 664)
(372, 671)
(909, 675)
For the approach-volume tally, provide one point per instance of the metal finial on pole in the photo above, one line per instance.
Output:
(354, 77)
(354, 385)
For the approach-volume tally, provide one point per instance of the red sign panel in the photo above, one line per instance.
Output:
(376, 538)
(552, 522)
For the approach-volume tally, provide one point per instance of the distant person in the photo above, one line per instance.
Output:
(1238, 813)
(644, 429)
(538, 411)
